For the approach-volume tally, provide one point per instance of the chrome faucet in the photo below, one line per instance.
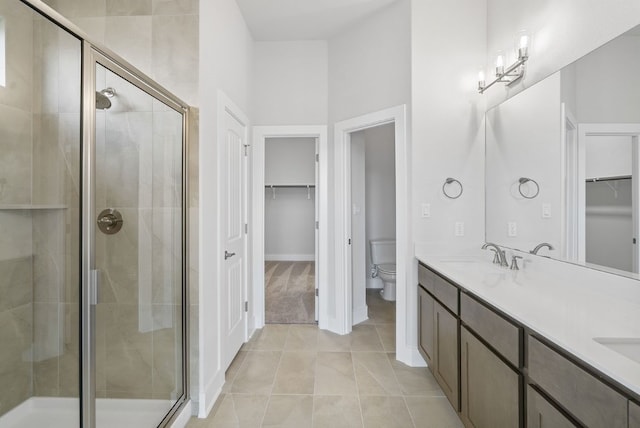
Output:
(539, 246)
(501, 258)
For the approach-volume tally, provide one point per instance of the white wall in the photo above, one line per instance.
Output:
(290, 217)
(369, 65)
(380, 179)
(226, 49)
(561, 32)
(447, 44)
(523, 139)
(448, 130)
(290, 161)
(290, 83)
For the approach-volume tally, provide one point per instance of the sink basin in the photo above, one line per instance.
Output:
(629, 347)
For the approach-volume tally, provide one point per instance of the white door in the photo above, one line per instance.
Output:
(233, 237)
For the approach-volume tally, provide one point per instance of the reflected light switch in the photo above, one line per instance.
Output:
(425, 210)
(512, 228)
(546, 210)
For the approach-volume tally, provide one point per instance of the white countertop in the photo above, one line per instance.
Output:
(567, 304)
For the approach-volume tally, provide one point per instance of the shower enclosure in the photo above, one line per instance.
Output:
(93, 296)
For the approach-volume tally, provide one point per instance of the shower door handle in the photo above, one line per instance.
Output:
(228, 255)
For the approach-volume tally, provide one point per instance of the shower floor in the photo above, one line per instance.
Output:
(63, 413)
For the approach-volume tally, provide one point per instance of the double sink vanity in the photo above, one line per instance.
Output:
(557, 342)
(549, 345)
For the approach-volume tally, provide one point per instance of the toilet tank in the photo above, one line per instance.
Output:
(382, 251)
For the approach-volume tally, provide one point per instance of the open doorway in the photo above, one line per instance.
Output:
(373, 219)
(290, 242)
(269, 216)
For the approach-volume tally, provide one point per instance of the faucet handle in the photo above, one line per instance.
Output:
(496, 256)
(514, 262)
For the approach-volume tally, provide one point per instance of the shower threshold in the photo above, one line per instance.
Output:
(52, 412)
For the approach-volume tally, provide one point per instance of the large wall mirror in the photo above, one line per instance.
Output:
(562, 162)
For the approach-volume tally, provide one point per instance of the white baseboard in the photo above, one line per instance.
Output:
(360, 314)
(210, 394)
(410, 356)
(289, 257)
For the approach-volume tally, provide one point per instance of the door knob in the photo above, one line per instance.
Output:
(228, 255)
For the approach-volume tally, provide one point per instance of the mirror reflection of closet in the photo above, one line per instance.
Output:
(576, 133)
(290, 230)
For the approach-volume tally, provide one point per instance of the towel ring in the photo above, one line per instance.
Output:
(524, 180)
(450, 180)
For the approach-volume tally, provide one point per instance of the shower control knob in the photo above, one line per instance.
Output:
(110, 221)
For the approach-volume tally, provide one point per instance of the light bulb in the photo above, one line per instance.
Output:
(522, 44)
(499, 65)
(524, 41)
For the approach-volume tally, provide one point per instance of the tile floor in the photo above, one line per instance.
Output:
(299, 376)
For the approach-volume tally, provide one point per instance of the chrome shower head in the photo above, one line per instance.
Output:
(102, 102)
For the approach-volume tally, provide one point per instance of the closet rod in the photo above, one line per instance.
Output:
(301, 186)
(597, 179)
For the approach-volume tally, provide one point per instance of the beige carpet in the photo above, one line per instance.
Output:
(289, 292)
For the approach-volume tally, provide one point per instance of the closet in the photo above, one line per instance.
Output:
(290, 230)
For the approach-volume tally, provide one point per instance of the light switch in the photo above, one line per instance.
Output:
(459, 228)
(546, 210)
(425, 210)
(512, 228)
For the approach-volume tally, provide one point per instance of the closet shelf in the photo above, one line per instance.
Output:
(25, 207)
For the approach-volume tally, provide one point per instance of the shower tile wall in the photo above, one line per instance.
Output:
(160, 37)
(39, 139)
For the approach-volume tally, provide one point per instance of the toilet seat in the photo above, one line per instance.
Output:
(387, 268)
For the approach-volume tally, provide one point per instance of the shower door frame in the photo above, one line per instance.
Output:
(92, 54)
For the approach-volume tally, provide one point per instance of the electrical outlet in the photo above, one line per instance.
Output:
(546, 210)
(512, 228)
(459, 228)
(425, 210)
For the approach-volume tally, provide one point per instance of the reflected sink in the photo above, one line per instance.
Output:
(629, 347)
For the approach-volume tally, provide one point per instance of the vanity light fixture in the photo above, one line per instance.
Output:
(514, 72)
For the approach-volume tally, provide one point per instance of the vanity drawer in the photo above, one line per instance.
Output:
(495, 330)
(634, 415)
(592, 402)
(541, 414)
(444, 291)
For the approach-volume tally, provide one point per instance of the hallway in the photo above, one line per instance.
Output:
(299, 376)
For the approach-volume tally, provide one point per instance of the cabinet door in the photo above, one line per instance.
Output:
(426, 316)
(634, 415)
(490, 388)
(541, 414)
(446, 354)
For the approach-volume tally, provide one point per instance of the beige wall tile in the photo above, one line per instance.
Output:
(15, 282)
(175, 7)
(128, 7)
(15, 371)
(130, 37)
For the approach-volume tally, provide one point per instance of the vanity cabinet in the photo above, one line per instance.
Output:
(590, 401)
(490, 389)
(541, 414)
(634, 415)
(438, 334)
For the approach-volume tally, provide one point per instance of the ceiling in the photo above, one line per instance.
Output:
(278, 20)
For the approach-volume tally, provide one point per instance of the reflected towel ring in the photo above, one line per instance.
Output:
(450, 180)
(524, 180)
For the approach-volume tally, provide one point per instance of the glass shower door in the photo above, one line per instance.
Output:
(138, 251)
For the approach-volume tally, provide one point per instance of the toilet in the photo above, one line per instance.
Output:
(383, 258)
